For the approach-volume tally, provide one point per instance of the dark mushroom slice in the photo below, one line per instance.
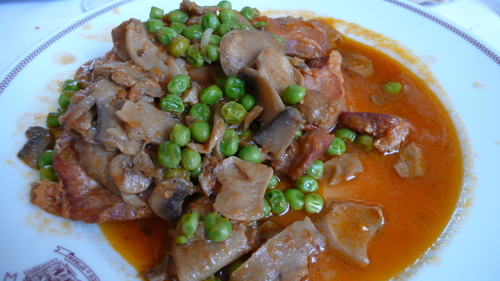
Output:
(39, 140)
(167, 199)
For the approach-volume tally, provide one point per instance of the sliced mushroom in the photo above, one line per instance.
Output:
(39, 140)
(168, 197)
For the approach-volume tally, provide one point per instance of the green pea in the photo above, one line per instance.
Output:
(53, 119)
(307, 184)
(177, 16)
(156, 13)
(169, 154)
(214, 40)
(178, 46)
(70, 85)
(180, 134)
(345, 134)
(65, 98)
(212, 53)
(47, 172)
(166, 35)
(195, 57)
(234, 87)
(227, 16)
(189, 223)
(46, 158)
(293, 94)
(248, 12)
(220, 81)
(181, 240)
(245, 137)
(248, 101)
(277, 201)
(393, 88)
(295, 198)
(313, 203)
(172, 103)
(243, 26)
(194, 31)
(200, 131)
(178, 26)
(201, 111)
(179, 84)
(211, 95)
(226, 27)
(190, 159)
(226, 5)
(196, 172)
(337, 147)
(233, 113)
(260, 24)
(266, 208)
(152, 25)
(229, 143)
(297, 134)
(273, 182)
(282, 42)
(250, 153)
(177, 172)
(365, 141)
(317, 169)
(217, 228)
(210, 20)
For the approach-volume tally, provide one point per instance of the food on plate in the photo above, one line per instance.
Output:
(219, 144)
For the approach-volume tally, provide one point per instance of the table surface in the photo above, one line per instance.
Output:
(29, 21)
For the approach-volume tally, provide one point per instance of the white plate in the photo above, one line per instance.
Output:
(467, 72)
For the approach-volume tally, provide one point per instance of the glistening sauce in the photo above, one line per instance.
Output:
(416, 210)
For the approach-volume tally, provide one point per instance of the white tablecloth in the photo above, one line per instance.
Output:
(24, 23)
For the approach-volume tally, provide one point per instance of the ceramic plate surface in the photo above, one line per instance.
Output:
(467, 79)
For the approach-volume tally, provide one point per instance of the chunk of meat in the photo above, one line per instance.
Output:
(129, 175)
(341, 168)
(168, 197)
(410, 162)
(192, 8)
(240, 48)
(83, 198)
(145, 122)
(357, 63)
(307, 149)
(47, 195)
(314, 107)
(278, 134)
(200, 258)
(389, 131)
(243, 186)
(350, 227)
(276, 67)
(84, 73)
(265, 93)
(286, 256)
(39, 140)
(305, 39)
(118, 37)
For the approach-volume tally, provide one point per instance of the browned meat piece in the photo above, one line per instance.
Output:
(350, 227)
(84, 73)
(207, 179)
(278, 134)
(200, 258)
(300, 155)
(130, 174)
(243, 186)
(193, 8)
(357, 63)
(95, 160)
(145, 122)
(305, 39)
(341, 168)
(265, 93)
(286, 256)
(118, 36)
(48, 196)
(39, 140)
(314, 107)
(389, 131)
(276, 67)
(410, 162)
(83, 198)
(240, 48)
(168, 197)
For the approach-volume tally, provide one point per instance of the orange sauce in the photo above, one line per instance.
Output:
(416, 210)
